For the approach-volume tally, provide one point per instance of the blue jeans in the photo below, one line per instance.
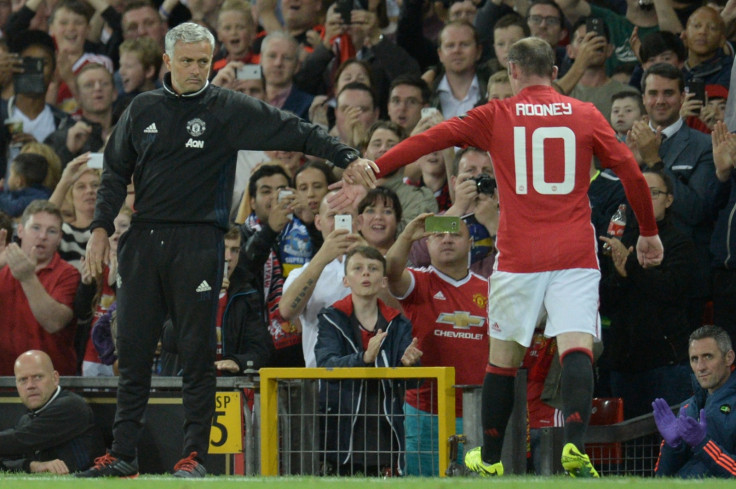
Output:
(422, 451)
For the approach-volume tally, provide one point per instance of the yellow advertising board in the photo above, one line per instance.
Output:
(226, 434)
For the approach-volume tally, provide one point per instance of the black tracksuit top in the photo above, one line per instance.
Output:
(181, 152)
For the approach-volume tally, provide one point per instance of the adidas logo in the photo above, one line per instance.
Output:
(204, 287)
(152, 130)
(574, 418)
(440, 296)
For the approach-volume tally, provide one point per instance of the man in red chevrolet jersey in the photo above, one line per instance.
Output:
(542, 144)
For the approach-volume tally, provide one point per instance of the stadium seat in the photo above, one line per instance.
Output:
(606, 411)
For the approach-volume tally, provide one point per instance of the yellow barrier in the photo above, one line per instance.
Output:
(269, 402)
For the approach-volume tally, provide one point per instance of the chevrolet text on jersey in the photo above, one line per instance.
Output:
(557, 108)
(460, 334)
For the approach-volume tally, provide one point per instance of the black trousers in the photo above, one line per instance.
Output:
(175, 271)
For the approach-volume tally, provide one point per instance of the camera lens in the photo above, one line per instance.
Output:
(485, 184)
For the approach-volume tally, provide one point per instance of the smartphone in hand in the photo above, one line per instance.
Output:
(344, 221)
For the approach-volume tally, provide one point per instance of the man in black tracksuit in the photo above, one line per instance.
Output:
(179, 145)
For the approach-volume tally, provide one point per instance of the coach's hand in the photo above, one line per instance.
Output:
(361, 172)
(98, 251)
(649, 251)
(56, 466)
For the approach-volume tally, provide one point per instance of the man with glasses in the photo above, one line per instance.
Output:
(546, 21)
(408, 96)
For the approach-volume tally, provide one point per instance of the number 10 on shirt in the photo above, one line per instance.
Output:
(538, 138)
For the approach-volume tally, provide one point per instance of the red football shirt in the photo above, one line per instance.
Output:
(449, 319)
(20, 332)
(542, 144)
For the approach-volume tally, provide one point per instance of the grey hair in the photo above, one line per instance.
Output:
(188, 33)
(533, 55)
(279, 35)
(721, 337)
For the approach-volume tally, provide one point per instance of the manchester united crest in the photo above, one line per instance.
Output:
(196, 127)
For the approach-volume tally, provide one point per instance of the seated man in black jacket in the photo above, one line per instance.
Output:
(57, 434)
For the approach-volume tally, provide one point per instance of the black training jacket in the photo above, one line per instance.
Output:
(181, 152)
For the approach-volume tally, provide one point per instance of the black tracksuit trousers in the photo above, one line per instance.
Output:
(173, 270)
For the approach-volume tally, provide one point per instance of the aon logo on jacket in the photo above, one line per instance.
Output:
(194, 143)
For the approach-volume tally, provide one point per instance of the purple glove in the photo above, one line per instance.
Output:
(666, 423)
(691, 431)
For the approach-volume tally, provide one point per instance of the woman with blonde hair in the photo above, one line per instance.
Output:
(53, 175)
(77, 191)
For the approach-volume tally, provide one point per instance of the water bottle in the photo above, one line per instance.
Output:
(616, 227)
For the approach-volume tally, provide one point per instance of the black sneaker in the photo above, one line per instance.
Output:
(109, 466)
(189, 467)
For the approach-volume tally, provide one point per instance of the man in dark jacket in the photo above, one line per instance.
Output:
(701, 442)
(705, 37)
(359, 331)
(723, 241)
(243, 341)
(57, 434)
(179, 145)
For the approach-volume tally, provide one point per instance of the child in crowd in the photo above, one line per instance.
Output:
(25, 184)
(69, 26)
(140, 64)
(366, 430)
(506, 31)
(626, 108)
(499, 86)
(235, 32)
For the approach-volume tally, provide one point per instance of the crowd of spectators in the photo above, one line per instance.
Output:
(660, 71)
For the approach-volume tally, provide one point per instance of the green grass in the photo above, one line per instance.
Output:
(230, 482)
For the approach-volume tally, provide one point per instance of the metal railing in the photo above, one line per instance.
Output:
(265, 446)
(272, 439)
